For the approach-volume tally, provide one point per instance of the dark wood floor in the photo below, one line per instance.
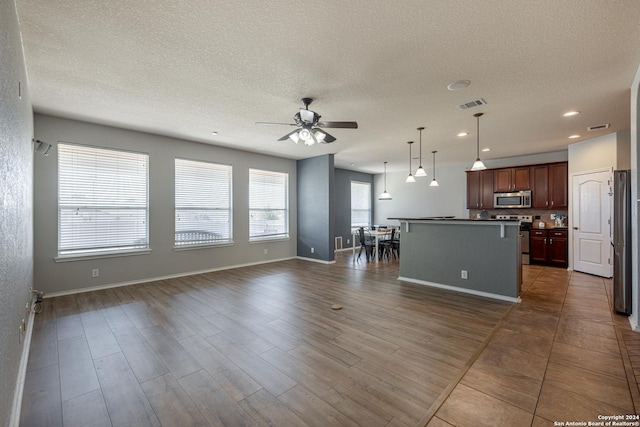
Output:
(253, 346)
(261, 346)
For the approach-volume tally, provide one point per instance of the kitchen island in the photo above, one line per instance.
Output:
(479, 257)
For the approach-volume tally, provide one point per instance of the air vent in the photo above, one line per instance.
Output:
(472, 104)
(598, 127)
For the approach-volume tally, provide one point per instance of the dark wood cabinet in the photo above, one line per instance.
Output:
(511, 179)
(480, 189)
(558, 247)
(538, 246)
(548, 247)
(550, 186)
(540, 190)
(473, 190)
(558, 185)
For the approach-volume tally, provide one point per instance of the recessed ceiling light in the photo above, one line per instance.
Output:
(215, 132)
(458, 85)
(574, 136)
(461, 134)
(486, 149)
(571, 113)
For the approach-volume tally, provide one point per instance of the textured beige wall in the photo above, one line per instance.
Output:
(16, 224)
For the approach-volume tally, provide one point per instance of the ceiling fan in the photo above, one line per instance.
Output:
(309, 123)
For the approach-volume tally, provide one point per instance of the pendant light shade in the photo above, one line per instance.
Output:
(434, 181)
(478, 165)
(385, 195)
(421, 171)
(410, 178)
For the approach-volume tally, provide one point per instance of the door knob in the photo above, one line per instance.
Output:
(575, 228)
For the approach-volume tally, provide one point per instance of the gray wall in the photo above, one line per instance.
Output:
(163, 261)
(316, 221)
(343, 201)
(16, 188)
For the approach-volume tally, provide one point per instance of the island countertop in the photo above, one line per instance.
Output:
(476, 256)
(454, 219)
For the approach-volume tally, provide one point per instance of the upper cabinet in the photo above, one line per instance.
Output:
(512, 179)
(550, 186)
(480, 189)
(559, 185)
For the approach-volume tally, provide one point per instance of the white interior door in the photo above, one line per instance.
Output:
(591, 202)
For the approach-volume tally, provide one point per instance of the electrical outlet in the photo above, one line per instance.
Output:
(266, 251)
(552, 216)
(463, 274)
(95, 273)
(313, 250)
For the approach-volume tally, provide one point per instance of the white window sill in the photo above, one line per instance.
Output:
(71, 258)
(203, 246)
(269, 239)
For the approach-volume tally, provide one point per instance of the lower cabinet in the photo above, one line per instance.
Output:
(548, 247)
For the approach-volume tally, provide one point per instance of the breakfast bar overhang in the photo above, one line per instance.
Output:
(479, 257)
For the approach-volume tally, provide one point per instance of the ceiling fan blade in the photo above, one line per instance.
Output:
(272, 123)
(284, 138)
(339, 125)
(327, 137)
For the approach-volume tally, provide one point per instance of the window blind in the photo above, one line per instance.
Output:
(102, 200)
(268, 204)
(360, 204)
(202, 203)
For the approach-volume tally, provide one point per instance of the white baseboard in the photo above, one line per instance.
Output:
(16, 409)
(153, 279)
(344, 249)
(463, 290)
(634, 325)
(321, 261)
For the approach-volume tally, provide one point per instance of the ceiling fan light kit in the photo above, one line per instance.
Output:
(478, 165)
(309, 123)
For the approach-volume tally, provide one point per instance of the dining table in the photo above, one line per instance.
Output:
(377, 234)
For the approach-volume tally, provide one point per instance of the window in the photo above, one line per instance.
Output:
(102, 200)
(268, 205)
(360, 204)
(202, 203)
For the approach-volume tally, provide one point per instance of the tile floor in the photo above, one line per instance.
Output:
(560, 355)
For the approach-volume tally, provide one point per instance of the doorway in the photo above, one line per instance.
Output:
(591, 222)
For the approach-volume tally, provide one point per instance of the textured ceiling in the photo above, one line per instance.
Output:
(185, 69)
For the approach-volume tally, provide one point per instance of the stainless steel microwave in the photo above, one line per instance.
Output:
(516, 199)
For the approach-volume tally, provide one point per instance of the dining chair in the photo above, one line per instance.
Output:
(366, 243)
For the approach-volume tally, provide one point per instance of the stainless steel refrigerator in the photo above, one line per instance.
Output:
(622, 241)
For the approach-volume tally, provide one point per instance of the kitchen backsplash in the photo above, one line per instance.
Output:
(538, 214)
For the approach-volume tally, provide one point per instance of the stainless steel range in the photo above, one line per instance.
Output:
(526, 222)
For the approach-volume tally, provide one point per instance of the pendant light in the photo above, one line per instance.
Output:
(478, 165)
(410, 178)
(385, 195)
(434, 182)
(421, 171)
